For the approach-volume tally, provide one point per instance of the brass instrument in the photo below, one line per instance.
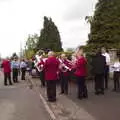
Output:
(63, 67)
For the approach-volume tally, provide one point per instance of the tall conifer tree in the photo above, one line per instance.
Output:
(105, 25)
(49, 36)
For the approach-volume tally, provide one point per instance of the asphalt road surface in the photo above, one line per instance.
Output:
(18, 102)
(103, 107)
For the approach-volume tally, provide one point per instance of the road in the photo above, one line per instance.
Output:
(103, 107)
(18, 102)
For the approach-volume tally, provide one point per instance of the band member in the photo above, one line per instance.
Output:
(65, 68)
(73, 58)
(15, 67)
(23, 67)
(51, 67)
(80, 73)
(116, 75)
(7, 71)
(98, 67)
(107, 57)
(41, 70)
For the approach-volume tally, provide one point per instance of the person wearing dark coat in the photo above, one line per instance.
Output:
(51, 68)
(98, 69)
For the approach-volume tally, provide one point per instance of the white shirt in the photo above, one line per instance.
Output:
(23, 64)
(116, 66)
(107, 57)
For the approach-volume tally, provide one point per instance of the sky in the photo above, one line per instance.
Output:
(18, 18)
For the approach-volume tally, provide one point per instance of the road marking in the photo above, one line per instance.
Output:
(52, 115)
(47, 107)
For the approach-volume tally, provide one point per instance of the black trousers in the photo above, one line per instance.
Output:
(116, 78)
(106, 76)
(19, 71)
(51, 90)
(99, 83)
(15, 75)
(42, 78)
(23, 70)
(7, 76)
(82, 88)
(64, 83)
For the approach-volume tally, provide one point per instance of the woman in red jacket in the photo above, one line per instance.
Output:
(64, 73)
(7, 71)
(51, 68)
(80, 73)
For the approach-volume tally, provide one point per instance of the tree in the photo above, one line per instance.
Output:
(89, 19)
(70, 50)
(49, 36)
(105, 25)
(31, 44)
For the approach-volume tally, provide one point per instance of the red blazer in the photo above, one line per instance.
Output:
(51, 68)
(6, 66)
(80, 67)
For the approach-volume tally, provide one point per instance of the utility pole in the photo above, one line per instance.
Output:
(21, 51)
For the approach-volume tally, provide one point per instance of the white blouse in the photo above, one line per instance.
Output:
(116, 66)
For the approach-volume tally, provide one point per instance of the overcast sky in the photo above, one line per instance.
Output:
(18, 18)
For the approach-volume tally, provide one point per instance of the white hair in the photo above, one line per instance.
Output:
(51, 53)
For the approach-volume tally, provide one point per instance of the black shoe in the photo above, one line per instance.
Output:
(14, 81)
(42, 86)
(85, 96)
(66, 92)
(5, 84)
(113, 90)
(80, 97)
(97, 93)
(102, 92)
(106, 88)
(61, 93)
(54, 100)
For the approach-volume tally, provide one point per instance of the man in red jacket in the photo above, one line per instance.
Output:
(80, 73)
(7, 71)
(51, 68)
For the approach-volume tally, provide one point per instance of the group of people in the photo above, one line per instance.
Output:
(60, 68)
(16, 67)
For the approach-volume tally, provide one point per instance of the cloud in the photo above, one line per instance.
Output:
(18, 18)
(78, 9)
